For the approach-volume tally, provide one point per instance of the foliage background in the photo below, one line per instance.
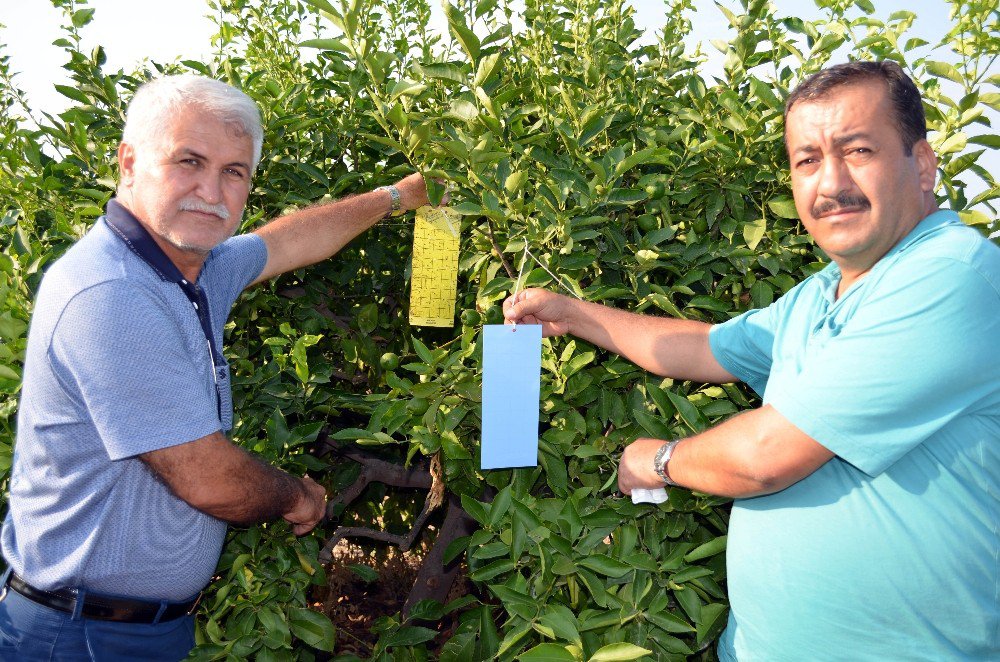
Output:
(640, 181)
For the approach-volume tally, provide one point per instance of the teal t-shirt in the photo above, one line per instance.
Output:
(890, 550)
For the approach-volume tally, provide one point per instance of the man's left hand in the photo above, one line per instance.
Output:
(635, 469)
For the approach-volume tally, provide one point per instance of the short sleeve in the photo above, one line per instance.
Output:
(118, 351)
(744, 345)
(923, 348)
(234, 264)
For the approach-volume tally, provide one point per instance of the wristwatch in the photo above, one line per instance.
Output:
(395, 198)
(661, 461)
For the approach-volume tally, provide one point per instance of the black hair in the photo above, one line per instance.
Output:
(908, 109)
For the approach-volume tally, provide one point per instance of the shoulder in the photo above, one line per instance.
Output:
(242, 256)
(952, 259)
(955, 247)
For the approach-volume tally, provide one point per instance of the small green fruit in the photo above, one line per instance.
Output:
(389, 361)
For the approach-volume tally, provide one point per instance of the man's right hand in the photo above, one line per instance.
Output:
(309, 509)
(534, 306)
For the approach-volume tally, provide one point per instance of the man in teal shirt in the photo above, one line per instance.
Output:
(867, 485)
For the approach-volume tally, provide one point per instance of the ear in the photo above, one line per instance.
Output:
(126, 164)
(926, 165)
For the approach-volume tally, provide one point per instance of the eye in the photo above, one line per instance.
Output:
(234, 173)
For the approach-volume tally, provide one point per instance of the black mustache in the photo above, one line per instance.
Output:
(842, 201)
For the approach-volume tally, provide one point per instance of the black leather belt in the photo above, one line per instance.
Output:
(101, 607)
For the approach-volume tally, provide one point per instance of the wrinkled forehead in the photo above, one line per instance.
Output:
(193, 127)
(861, 107)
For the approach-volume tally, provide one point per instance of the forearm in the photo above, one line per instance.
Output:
(224, 481)
(662, 345)
(758, 452)
(259, 493)
(313, 234)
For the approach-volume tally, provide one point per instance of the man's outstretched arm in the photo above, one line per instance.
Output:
(665, 346)
(313, 234)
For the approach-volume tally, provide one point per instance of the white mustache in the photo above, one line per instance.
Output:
(199, 206)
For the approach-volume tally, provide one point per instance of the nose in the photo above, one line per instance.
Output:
(210, 188)
(834, 178)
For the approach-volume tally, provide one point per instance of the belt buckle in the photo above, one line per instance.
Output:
(194, 606)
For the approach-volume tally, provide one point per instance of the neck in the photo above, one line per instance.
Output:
(851, 273)
(188, 262)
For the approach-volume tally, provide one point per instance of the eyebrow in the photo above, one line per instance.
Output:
(187, 151)
(838, 143)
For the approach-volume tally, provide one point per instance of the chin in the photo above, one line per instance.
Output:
(191, 246)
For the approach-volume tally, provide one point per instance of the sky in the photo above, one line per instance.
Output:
(181, 29)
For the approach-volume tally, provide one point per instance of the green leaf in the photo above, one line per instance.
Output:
(710, 548)
(444, 71)
(409, 635)
(312, 628)
(464, 110)
(626, 196)
(547, 653)
(619, 653)
(988, 140)
(500, 505)
(711, 622)
(466, 37)
(605, 565)
(753, 232)
(325, 44)
(689, 413)
(954, 143)
(73, 93)
(322, 5)
(476, 509)
(562, 622)
(365, 572)
(783, 207)
(594, 128)
(491, 570)
(82, 17)
(944, 70)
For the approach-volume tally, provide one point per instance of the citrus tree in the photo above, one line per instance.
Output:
(572, 148)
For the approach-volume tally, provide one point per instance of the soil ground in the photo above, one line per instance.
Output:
(354, 602)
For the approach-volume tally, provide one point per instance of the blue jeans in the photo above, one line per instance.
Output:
(30, 632)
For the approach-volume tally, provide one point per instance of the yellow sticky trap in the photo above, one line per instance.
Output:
(435, 267)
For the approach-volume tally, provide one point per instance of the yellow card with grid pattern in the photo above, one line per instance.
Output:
(435, 267)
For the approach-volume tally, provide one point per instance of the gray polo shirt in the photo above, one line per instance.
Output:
(118, 365)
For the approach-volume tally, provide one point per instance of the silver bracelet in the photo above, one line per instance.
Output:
(662, 459)
(396, 199)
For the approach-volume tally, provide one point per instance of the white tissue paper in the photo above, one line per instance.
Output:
(641, 495)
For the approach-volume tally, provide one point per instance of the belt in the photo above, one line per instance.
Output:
(104, 608)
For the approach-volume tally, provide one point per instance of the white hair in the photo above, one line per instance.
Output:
(160, 99)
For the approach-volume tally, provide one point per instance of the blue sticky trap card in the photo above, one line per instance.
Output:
(512, 366)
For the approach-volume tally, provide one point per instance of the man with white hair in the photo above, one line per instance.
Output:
(124, 479)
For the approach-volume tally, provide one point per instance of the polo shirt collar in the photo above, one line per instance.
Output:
(137, 238)
(830, 275)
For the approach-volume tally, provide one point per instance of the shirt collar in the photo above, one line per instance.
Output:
(137, 238)
(830, 275)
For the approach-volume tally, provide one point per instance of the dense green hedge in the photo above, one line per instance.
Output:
(639, 181)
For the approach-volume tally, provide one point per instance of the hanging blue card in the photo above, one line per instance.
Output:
(512, 366)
